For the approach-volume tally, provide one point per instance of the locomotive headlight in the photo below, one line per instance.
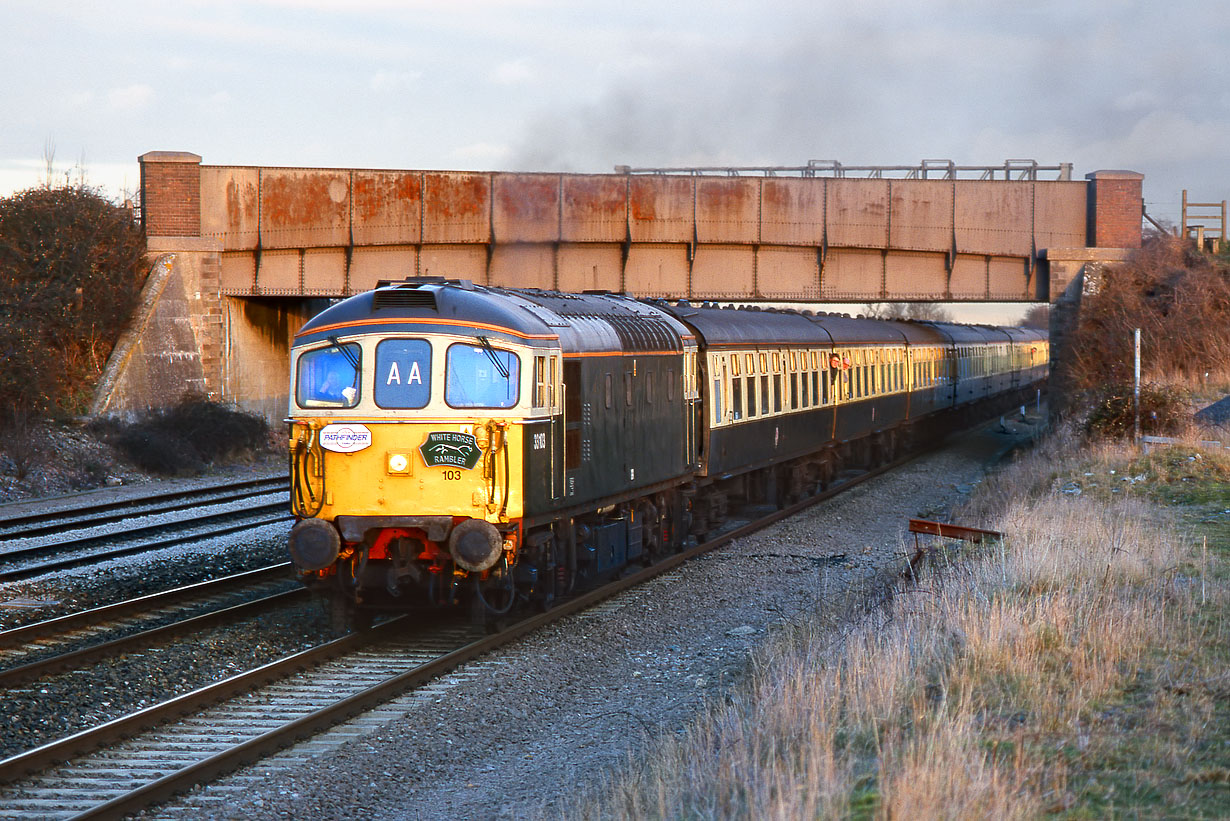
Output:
(398, 463)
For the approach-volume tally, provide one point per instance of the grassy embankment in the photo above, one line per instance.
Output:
(1079, 670)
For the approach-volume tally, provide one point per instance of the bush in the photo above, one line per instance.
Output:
(215, 431)
(1178, 297)
(71, 269)
(158, 451)
(188, 437)
(1163, 411)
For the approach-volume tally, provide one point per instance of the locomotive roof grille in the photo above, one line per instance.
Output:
(404, 298)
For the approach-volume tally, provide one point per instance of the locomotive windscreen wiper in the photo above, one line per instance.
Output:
(346, 352)
(495, 360)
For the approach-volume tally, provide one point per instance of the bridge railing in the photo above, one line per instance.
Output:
(1028, 170)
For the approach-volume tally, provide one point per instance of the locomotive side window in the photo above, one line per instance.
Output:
(329, 377)
(540, 382)
(403, 373)
(480, 376)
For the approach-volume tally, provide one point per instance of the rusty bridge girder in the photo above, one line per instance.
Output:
(334, 232)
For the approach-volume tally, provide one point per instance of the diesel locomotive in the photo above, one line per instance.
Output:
(455, 444)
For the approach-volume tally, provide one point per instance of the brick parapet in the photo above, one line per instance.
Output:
(171, 193)
(1115, 206)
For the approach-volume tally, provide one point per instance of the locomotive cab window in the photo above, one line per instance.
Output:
(480, 376)
(329, 377)
(403, 373)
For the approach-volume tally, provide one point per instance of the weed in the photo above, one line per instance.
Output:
(1080, 671)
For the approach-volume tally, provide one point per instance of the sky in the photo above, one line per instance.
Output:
(572, 85)
(575, 85)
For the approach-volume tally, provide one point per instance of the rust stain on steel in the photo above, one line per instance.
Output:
(857, 213)
(304, 199)
(594, 209)
(653, 199)
(660, 209)
(456, 196)
(792, 211)
(239, 224)
(921, 215)
(526, 207)
(727, 210)
(387, 197)
(456, 207)
(388, 207)
(527, 197)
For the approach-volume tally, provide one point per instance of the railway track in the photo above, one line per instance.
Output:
(43, 648)
(148, 756)
(34, 544)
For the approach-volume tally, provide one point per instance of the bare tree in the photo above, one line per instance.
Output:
(933, 311)
(1038, 316)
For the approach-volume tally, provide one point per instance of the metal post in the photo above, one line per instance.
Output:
(1136, 395)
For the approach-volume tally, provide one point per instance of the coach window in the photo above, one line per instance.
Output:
(329, 377)
(403, 373)
(751, 396)
(736, 395)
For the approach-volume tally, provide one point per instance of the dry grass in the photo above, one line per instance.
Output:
(1079, 669)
